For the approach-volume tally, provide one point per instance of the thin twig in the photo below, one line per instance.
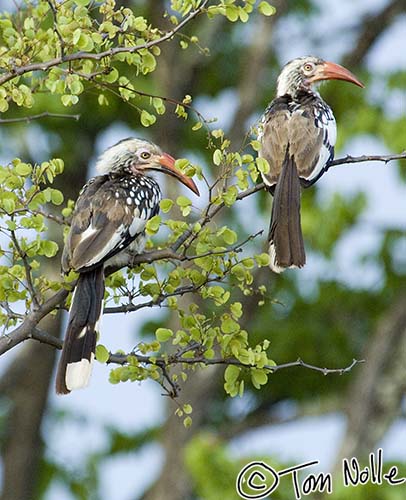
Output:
(122, 359)
(173, 392)
(27, 267)
(58, 34)
(363, 158)
(45, 114)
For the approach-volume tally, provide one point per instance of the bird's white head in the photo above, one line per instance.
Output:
(303, 72)
(139, 156)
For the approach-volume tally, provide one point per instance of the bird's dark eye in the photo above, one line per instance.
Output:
(145, 155)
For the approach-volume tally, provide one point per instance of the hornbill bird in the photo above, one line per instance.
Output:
(108, 225)
(297, 136)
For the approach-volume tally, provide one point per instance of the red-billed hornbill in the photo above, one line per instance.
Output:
(108, 224)
(297, 136)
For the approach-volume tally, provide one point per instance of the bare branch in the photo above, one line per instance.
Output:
(31, 118)
(58, 33)
(363, 158)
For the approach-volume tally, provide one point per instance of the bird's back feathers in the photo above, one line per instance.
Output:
(307, 126)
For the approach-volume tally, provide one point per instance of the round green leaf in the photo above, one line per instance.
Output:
(163, 334)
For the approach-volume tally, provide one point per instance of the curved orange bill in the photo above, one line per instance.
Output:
(332, 71)
(168, 167)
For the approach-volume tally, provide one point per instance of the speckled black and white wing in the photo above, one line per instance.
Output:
(323, 120)
(110, 213)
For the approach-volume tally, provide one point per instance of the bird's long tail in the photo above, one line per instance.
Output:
(79, 346)
(286, 247)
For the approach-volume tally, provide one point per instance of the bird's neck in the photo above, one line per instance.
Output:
(298, 93)
(127, 172)
(293, 86)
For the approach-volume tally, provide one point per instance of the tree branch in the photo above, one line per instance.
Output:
(77, 56)
(45, 114)
(60, 37)
(364, 158)
(27, 329)
(122, 359)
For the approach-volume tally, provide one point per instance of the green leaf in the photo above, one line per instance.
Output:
(256, 145)
(262, 259)
(217, 157)
(147, 119)
(23, 169)
(187, 408)
(148, 62)
(243, 15)
(258, 377)
(8, 201)
(232, 13)
(69, 100)
(48, 248)
(56, 197)
(187, 422)
(228, 325)
(229, 236)
(102, 100)
(166, 204)
(163, 334)
(11, 225)
(262, 165)
(231, 374)
(230, 196)
(140, 24)
(159, 105)
(236, 309)
(183, 201)
(152, 226)
(112, 76)
(102, 354)
(266, 9)
(197, 126)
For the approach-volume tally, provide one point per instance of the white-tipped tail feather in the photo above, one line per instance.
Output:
(75, 365)
(273, 264)
(78, 374)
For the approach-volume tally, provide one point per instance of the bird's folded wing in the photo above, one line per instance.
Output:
(274, 138)
(305, 142)
(102, 225)
(308, 128)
